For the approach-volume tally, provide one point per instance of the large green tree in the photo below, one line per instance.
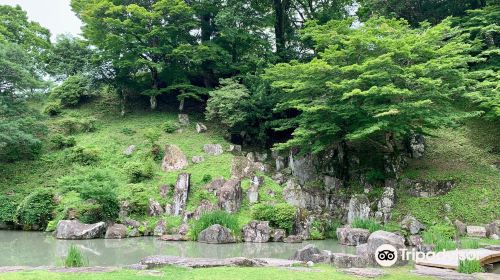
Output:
(375, 83)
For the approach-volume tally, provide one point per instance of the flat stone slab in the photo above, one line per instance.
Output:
(93, 269)
(363, 272)
(450, 259)
(441, 273)
(160, 261)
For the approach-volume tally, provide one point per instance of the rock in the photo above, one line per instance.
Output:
(197, 159)
(341, 260)
(302, 167)
(257, 232)
(134, 232)
(278, 235)
(155, 208)
(183, 229)
(381, 237)
(234, 148)
(164, 190)
(250, 156)
(279, 178)
(416, 145)
(253, 191)
(440, 273)
(362, 251)
(160, 228)
(74, 229)
(213, 149)
(352, 236)
(183, 119)
(386, 202)
(215, 185)
(173, 237)
(306, 253)
(412, 225)
(323, 257)
(261, 156)
(116, 231)
(280, 163)
(174, 159)
(129, 150)
(476, 231)
(293, 239)
(332, 183)
(359, 208)
(136, 266)
(200, 128)
(461, 227)
(131, 223)
(181, 192)
(124, 209)
(310, 264)
(216, 234)
(427, 188)
(242, 167)
(161, 261)
(205, 206)
(493, 247)
(494, 236)
(293, 194)
(415, 241)
(364, 272)
(492, 229)
(230, 196)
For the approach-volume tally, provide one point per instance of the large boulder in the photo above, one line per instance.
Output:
(230, 196)
(74, 229)
(213, 149)
(306, 253)
(302, 167)
(116, 231)
(257, 232)
(412, 225)
(215, 185)
(174, 159)
(461, 227)
(278, 235)
(352, 236)
(416, 145)
(359, 208)
(253, 191)
(160, 228)
(427, 188)
(216, 234)
(492, 229)
(155, 208)
(386, 202)
(476, 231)
(181, 192)
(293, 239)
(381, 237)
(242, 167)
(341, 260)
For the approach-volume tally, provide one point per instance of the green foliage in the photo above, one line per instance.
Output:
(369, 224)
(83, 156)
(74, 258)
(72, 91)
(281, 215)
(331, 229)
(442, 230)
(170, 126)
(470, 266)
(8, 208)
(469, 244)
(60, 141)
(128, 131)
(69, 56)
(316, 231)
(53, 109)
(441, 236)
(138, 172)
(35, 210)
(96, 189)
(73, 125)
(217, 217)
(152, 135)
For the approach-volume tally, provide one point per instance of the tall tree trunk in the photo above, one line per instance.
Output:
(280, 12)
(206, 27)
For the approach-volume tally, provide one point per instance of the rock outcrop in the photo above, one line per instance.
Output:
(278, 235)
(359, 208)
(216, 234)
(74, 229)
(302, 167)
(155, 208)
(174, 159)
(381, 237)
(427, 188)
(352, 236)
(230, 196)
(386, 202)
(306, 253)
(293, 239)
(242, 167)
(257, 232)
(116, 231)
(412, 225)
(181, 192)
(253, 191)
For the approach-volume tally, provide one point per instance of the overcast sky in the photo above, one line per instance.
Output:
(56, 15)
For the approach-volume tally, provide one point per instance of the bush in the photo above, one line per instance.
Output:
(96, 189)
(35, 210)
(317, 231)
(74, 258)
(60, 141)
(441, 236)
(83, 156)
(170, 126)
(128, 131)
(470, 266)
(72, 91)
(77, 125)
(8, 208)
(207, 178)
(218, 217)
(152, 135)
(281, 215)
(369, 224)
(138, 172)
(469, 244)
(53, 109)
(331, 229)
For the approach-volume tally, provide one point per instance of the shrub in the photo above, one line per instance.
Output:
(73, 90)
(152, 135)
(74, 258)
(470, 266)
(317, 231)
(469, 244)
(281, 215)
(441, 236)
(138, 172)
(128, 131)
(170, 126)
(96, 189)
(83, 156)
(8, 208)
(206, 178)
(369, 224)
(35, 210)
(331, 229)
(77, 125)
(60, 141)
(218, 217)
(53, 109)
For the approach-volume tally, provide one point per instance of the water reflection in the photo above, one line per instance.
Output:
(35, 249)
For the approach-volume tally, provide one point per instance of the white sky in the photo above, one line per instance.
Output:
(56, 15)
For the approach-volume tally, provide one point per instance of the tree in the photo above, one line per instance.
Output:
(373, 83)
(69, 56)
(141, 35)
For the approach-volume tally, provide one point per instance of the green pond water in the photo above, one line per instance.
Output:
(42, 249)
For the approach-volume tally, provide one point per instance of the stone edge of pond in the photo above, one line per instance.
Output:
(164, 260)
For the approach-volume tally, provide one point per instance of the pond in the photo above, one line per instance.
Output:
(22, 248)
